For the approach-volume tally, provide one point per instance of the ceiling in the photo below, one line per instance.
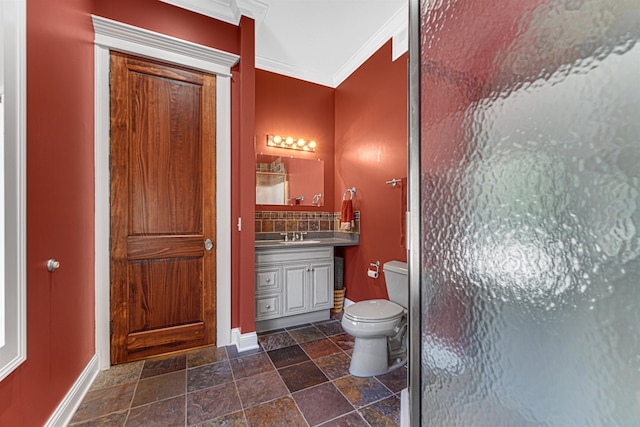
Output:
(320, 41)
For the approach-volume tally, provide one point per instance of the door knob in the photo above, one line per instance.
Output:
(208, 244)
(53, 265)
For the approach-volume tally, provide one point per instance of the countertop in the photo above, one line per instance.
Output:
(335, 239)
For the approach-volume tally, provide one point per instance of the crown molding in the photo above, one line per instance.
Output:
(294, 72)
(253, 9)
(396, 28)
(228, 11)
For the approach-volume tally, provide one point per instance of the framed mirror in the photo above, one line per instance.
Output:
(289, 181)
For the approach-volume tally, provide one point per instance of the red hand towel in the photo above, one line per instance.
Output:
(346, 217)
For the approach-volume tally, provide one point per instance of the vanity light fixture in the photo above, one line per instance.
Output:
(291, 143)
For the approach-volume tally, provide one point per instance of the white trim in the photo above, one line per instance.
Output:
(127, 38)
(294, 320)
(14, 63)
(255, 9)
(223, 209)
(400, 43)
(244, 342)
(395, 27)
(64, 412)
(295, 72)
(102, 207)
(101, 147)
(228, 11)
(404, 408)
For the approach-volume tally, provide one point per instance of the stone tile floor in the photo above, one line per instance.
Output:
(298, 377)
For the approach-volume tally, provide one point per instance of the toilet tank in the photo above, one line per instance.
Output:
(396, 277)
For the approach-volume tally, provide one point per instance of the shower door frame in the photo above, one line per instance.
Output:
(414, 231)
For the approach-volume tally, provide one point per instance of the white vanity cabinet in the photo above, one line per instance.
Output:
(294, 285)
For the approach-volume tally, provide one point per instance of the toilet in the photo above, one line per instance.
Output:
(379, 326)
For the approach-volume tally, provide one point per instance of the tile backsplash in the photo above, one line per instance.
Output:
(282, 221)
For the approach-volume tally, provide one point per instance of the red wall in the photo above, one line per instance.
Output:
(292, 107)
(60, 185)
(371, 148)
(366, 116)
(60, 224)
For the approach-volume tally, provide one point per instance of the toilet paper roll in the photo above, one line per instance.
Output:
(372, 273)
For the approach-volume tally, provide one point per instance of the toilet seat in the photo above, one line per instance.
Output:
(373, 311)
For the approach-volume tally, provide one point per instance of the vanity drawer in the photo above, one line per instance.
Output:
(267, 307)
(267, 279)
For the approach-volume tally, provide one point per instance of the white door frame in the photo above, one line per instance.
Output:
(112, 35)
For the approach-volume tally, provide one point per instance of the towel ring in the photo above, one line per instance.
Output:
(351, 191)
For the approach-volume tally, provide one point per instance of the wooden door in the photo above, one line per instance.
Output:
(162, 208)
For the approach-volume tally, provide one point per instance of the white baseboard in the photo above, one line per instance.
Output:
(72, 400)
(404, 408)
(244, 342)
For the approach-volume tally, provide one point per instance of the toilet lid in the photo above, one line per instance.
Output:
(373, 310)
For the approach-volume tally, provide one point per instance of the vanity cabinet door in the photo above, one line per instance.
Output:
(295, 288)
(321, 277)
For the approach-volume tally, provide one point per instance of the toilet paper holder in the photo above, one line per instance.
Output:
(373, 273)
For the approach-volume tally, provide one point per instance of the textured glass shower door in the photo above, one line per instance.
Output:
(529, 251)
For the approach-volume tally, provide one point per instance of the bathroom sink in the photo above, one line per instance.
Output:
(298, 242)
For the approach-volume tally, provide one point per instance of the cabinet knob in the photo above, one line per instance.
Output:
(268, 280)
(268, 306)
